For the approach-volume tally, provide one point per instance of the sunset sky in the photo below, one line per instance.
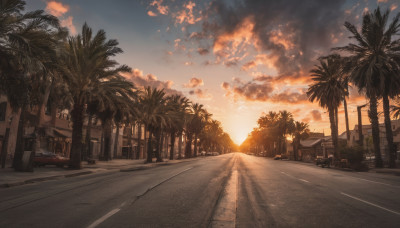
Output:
(238, 58)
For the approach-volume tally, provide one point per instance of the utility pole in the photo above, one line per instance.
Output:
(360, 135)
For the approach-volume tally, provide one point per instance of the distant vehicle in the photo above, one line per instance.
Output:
(251, 153)
(49, 158)
(203, 153)
(215, 153)
(320, 160)
(278, 157)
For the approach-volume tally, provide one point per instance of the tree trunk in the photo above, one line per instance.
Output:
(389, 132)
(334, 134)
(172, 151)
(139, 139)
(116, 140)
(22, 163)
(149, 148)
(131, 153)
(107, 128)
(346, 115)
(4, 148)
(195, 146)
(158, 143)
(360, 133)
(180, 145)
(89, 137)
(161, 145)
(76, 147)
(40, 116)
(373, 115)
(188, 149)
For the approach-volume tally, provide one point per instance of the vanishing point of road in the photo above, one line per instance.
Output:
(233, 190)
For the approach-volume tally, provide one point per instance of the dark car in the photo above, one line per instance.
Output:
(48, 158)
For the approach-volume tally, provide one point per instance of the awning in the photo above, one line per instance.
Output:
(62, 133)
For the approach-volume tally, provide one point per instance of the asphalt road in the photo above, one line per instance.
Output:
(233, 190)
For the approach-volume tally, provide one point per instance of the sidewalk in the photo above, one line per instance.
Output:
(10, 178)
(386, 171)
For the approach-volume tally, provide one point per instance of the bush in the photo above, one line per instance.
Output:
(355, 157)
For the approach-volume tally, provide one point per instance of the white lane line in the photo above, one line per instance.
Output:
(376, 182)
(372, 204)
(296, 178)
(102, 219)
(305, 180)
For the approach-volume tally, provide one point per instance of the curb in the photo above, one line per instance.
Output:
(386, 172)
(42, 179)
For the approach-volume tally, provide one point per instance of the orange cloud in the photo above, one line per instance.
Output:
(140, 80)
(393, 7)
(194, 82)
(186, 14)
(235, 43)
(316, 115)
(162, 9)
(56, 8)
(69, 24)
(151, 13)
(202, 94)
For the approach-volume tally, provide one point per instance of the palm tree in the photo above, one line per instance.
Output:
(26, 44)
(200, 118)
(88, 69)
(153, 116)
(300, 132)
(373, 66)
(285, 125)
(395, 109)
(175, 127)
(329, 91)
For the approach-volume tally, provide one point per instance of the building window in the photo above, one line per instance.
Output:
(3, 109)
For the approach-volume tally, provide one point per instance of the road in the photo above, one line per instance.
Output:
(233, 190)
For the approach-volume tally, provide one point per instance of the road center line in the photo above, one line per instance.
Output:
(372, 204)
(105, 217)
(225, 214)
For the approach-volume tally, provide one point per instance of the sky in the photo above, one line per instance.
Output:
(239, 58)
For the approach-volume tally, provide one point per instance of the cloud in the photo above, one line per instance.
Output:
(151, 13)
(262, 91)
(56, 8)
(158, 5)
(59, 10)
(186, 15)
(69, 24)
(194, 82)
(202, 94)
(140, 80)
(285, 36)
(316, 115)
(203, 51)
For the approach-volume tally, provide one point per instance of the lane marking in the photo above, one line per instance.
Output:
(372, 204)
(102, 219)
(377, 182)
(225, 212)
(305, 180)
(296, 178)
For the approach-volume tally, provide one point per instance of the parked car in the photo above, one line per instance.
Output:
(215, 153)
(49, 158)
